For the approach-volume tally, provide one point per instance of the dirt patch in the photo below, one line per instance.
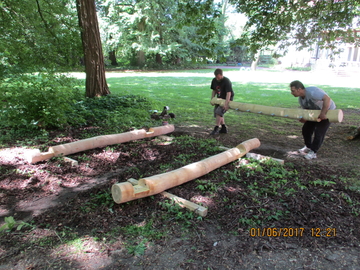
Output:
(60, 201)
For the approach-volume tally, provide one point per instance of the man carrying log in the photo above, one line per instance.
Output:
(313, 98)
(221, 87)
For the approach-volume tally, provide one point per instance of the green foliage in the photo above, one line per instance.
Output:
(37, 101)
(301, 23)
(176, 212)
(11, 223)
(31, 104)
(101, 199)
(138, 237)
(37, 35)
(160, 33)
(206, 185)
(111, 111)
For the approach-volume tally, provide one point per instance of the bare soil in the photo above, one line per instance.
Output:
(60, 200)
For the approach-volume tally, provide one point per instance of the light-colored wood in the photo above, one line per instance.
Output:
(261, 157)
(99, 141)
(197, 209)
(334, 116)
(73, 162)
(256, 156)
(36, 156)
(161, 182)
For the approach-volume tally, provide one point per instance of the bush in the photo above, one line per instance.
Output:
(33, 101)
(111, 111)
(31, 105)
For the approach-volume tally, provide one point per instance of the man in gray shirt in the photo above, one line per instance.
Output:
(313, 98)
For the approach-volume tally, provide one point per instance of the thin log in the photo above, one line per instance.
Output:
(197, 209)
(334, 116)
(124, 192)
(96, 142)
(261, 157)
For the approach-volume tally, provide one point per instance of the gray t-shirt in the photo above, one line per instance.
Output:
(313, 99)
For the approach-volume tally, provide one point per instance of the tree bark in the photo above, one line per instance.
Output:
(255, 62)
(112, 58)
(141, 59)
(93, 56)
(158, 59)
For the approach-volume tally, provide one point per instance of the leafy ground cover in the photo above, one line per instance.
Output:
(61, 216)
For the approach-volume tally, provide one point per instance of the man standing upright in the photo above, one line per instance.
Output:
(313, 98)
(222, 88)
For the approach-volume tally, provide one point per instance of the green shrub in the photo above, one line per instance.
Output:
(30, 104)
(33, 101)
(111, 111)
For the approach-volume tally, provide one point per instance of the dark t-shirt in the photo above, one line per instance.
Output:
(222, 87)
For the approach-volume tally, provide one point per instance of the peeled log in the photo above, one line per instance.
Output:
(334, 116)
(124, 192)
(99, 141)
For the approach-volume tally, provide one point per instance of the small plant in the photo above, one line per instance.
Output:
(323, 183)
(206, 185)
(177, 212)
(84, 157)
(137, 248)
(101, 199)
(11, 223)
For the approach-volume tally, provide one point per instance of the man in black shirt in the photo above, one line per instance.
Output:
(222, 88)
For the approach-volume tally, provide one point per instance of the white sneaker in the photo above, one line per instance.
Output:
(310, 155)
(304, 150)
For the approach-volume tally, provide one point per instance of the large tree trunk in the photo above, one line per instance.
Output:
(94, 59)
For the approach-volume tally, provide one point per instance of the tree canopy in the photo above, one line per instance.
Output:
(160, 30)
(38, 34)
(300, 23)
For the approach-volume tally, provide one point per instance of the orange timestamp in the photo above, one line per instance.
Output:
(292, 232)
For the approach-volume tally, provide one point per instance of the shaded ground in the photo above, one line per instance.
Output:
(72, 222)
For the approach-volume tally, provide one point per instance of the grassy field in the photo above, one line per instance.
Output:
(188, 92)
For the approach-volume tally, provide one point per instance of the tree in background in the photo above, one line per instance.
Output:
(299, 23)
(158, 32)
(38, 35)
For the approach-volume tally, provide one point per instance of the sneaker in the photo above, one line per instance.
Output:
(215, 131)
(223, 129)
(304, 150)
(310, 155)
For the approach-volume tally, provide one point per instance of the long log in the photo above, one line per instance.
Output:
(334, 116)
(96, 142)
(125, 191)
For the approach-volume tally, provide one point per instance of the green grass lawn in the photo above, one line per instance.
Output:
(188, 92)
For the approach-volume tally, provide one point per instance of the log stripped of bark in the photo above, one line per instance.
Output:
(334, 116)
(124, 192)
(96, 142)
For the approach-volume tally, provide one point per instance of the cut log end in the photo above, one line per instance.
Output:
(340, 116)
(249, 145)
(122, 192)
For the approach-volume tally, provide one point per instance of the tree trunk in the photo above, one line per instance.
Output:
(93, 56)
(141, 59)
(255, 62)
(112, 58)
(158, 59)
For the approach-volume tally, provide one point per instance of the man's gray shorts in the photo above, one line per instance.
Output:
(218, 110)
